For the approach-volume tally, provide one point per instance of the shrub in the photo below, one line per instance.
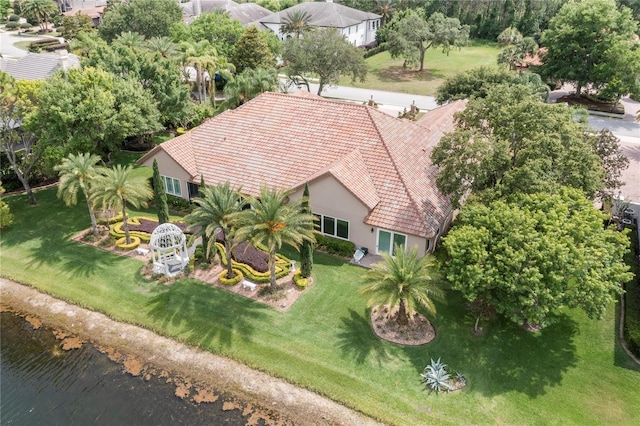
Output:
(299, 281)
(14, 18)
(6, 218)
(631, 328)
(178, 203)
(335, 246)
(25, 26)
(233, 280)
(12, 25)
(435, 376)
(121, 244)
(282, 267)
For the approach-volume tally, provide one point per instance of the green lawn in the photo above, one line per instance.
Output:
(574, 372)
(388, 74)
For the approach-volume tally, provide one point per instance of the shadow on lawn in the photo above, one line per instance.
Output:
(210, 316)
(357, 339)
(507, 358)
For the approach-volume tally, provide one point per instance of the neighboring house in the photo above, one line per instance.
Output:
(39, 66)
(357, 26)
(370, 177)
(626, 205)
(95, 13)
(246, 13)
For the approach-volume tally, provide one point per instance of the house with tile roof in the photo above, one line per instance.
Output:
(358, 27)
(245, 13)
(370, 177)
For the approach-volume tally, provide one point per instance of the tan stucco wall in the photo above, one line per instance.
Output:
(168, 167)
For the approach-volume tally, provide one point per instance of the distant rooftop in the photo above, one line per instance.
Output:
(38, 66)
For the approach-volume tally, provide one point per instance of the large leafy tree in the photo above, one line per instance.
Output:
(118, 186)
(273, 220)
(532, 254)
(151, 18)
(217, 209)
(252, 51)
(509, 142)
(593, 43)
(296, 23)
(77, 173)
(22, 149)
(39, 10)
(217, 28)
(76, 24)
(403, 281)
(324, 53)
(91, 110)
(413, 35)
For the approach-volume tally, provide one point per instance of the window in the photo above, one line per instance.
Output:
(172, 186)
(331, 226)
(388, 240)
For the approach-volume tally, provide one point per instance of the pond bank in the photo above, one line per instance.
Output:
(294, 404)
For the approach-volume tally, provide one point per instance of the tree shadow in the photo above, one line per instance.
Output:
(621, 358)
(358, 341)
(398, 74)
(506, 358)
(213, 317)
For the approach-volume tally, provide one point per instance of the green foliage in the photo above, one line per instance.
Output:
(403, 281)
(159, 194)
(631, 328)
(12, 25)
(511, 142)
(150, 18)
(235, 278)
(295, 22)
(39, 11)
(323, 53)
(435, 376)
(531, 255)
(178, 203)
(122, 244)
(593, 43)
(252, 51)
(217, 28)
(336, 246)
(75, 24)
(413, 35)
(300, 281)
(248, 85)
(306, 250)
(6, 218)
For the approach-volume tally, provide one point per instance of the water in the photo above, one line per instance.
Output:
(40, 384)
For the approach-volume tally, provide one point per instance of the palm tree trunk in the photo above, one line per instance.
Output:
(94, 223)
(125, 223)
(272, 268)
(403, 319)
(227, 248)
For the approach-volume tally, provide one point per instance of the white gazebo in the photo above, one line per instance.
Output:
(168, 250)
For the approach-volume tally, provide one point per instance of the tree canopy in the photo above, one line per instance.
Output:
(217, 28)
(252, 51)
(533, 254)
(512, 142)
(40, 10)
(151, 18)
(413, 35)
(324, 53)
(593, 44)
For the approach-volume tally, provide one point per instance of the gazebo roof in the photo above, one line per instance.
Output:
(167, 236)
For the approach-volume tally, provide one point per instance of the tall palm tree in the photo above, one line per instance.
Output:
(77, 172)
(216, 209)
(295, 23)
(385, 9)
(249, 84)
(403, 281)
(130, 39)
(273, 220)
(116, 187)
(203, 56)
(164, 46)
(40, 10)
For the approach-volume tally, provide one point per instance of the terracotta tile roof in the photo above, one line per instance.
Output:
(286, 140)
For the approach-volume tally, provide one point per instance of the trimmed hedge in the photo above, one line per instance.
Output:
(230, 281)
(116, 231)
(135, 242)
(12, 25)
(282, 267)
(631, 328)
(335, 246)
(300, 282)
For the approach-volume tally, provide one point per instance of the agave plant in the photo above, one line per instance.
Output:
(435, 376)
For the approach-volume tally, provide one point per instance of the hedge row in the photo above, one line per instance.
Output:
(282, 267)
(631, 329)
(335, 246)
(121, 243)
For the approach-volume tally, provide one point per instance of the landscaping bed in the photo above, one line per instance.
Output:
(592, 104)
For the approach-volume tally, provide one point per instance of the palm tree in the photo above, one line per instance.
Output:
(116, 187)
(403, 281)
(40, 10)
(216, 210)
(164, 46)
(273, 220)
(249, 84)
(203, 56)
(296, 23)
(385, 10)
(77, 172)
(130, 39)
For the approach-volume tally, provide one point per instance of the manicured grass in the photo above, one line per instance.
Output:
(574, 372)
(388, 74)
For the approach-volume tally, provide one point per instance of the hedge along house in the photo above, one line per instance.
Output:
(370, 177)
(358, 27)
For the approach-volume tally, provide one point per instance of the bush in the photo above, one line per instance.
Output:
(233, 280)
(178, 203)
(14, 18)
(335, 246)
(631, 328)
(121, 243)
(282, 267)
(25, 26)
(12, 25)
(300, 282)
(6, 218)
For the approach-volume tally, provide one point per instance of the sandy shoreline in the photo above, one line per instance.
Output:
(284, 401)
